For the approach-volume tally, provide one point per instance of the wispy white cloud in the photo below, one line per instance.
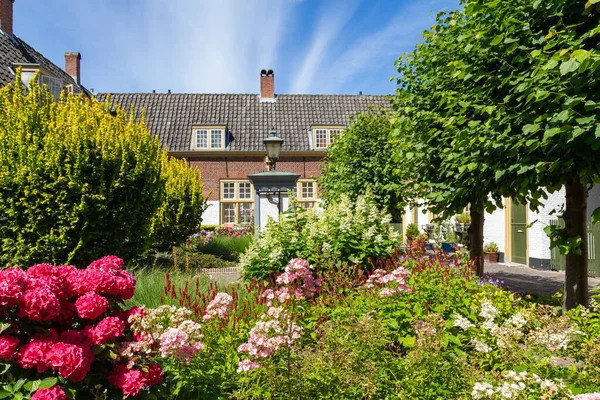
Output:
(193, 46)
(332, 19)
(400, 34)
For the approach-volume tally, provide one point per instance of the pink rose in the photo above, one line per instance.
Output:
(8, 345)
(53, 393)
(91, 305)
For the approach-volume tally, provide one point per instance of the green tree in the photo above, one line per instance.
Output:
(78, 180)
(360, 160)
(180, 214)
(514, 92)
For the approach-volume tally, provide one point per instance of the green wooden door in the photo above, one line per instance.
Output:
(518, 233)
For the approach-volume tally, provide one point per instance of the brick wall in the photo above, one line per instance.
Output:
(6, 16)
(214, 169)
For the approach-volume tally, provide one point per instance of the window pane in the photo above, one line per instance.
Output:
(229, 190)
(245, 191)
(245, 213)
(308, 191)
(202, 139)
(333, 135)
(321, 138)
(216, 136)
(228, 213)
(307, 204)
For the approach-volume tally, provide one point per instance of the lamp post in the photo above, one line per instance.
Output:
(273, 144)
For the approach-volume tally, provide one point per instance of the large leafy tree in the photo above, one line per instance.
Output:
(513, 87)
(360, 161)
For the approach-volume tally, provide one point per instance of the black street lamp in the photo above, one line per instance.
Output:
(273, 144)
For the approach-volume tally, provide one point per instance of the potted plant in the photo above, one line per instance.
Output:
(462, 222)
(491, 252)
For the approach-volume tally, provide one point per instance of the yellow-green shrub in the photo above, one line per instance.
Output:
(79, 180)
(180, 215)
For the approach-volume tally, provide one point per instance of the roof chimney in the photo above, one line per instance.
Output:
(73, 65)
(6, 16)
(267, 85)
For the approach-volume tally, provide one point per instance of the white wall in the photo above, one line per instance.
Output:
(593, 200)
(211, 215)
(494, 228)
(539, 243)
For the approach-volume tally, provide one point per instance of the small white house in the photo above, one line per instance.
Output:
(518, 231)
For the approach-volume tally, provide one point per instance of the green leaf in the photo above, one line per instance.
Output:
(563, 115)
(472, 166)
(497, 40)
(596, 215)
(570, 65)
(499, 174)
(551, 132)
(48, 382)
(597, 131)
(531, 128)
(580, 55)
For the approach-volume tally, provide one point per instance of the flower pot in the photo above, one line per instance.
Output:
(460, 228)
(492, 257)
(447, 247)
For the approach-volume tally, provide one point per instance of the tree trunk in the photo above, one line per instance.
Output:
(475, 232)
(576, 272)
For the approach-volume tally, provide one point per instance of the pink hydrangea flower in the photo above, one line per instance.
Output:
(12, 285)
(8, 346)
(108, 263)
(39, 304)
(107, 329)
(69, 360)
(53, 393)
(132, 381)
(219, 306)
(588, 396)
(33, 355)
(91, 305)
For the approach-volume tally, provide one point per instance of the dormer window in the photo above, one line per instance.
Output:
(54, 85)
(208, 138)
(324, 136)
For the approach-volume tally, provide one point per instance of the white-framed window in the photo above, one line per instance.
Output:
(237, 202)
(54, 84)
(307, 193)
(324, 136)
(208, 138)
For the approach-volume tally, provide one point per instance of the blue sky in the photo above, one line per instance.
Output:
(220, 46)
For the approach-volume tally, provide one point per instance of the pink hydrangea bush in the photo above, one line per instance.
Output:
(65, 322)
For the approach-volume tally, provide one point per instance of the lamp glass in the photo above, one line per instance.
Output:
(273, 145)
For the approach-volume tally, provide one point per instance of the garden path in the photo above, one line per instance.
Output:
(528, 280)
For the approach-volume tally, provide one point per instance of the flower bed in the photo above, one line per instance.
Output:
(413, 327)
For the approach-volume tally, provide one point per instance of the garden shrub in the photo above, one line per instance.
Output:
(79, 180)
(72, 176)
(61, 329)
(345, 232)
(227, 247)
(180, 214)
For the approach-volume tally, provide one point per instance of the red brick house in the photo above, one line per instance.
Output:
(15, 53)
(222, 135)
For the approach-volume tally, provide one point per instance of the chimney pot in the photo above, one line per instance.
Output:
(6, 16)
(267, 84)
(73, 65)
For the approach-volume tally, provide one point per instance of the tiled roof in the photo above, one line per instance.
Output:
(15, 51)
(248, 120)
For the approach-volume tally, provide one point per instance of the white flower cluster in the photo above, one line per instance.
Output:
(520, 385)
(155, 321)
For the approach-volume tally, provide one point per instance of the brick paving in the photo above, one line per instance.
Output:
(523, 279)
